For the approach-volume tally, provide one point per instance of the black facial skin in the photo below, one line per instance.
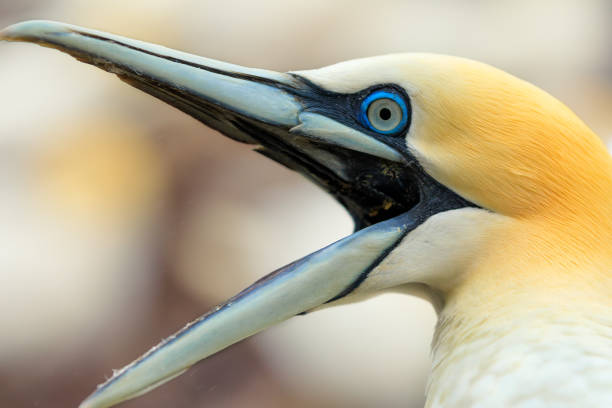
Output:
(378, 189)
(346, 108)
(372, 189)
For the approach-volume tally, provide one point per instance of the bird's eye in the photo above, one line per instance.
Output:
(384, 112)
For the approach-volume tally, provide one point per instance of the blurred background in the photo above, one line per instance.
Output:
(121, 218)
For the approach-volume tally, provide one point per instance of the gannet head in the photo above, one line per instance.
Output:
(494, 139)
(448, 166)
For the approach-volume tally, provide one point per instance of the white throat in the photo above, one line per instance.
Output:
(537, 359)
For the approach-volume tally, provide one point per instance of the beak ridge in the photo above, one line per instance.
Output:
(255, 93)
(328, 130)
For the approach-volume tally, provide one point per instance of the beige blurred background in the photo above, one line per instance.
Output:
(121, 218)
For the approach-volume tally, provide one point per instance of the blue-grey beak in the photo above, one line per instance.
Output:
(288, 119)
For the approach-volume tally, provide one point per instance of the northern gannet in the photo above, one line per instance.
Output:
(467, 185)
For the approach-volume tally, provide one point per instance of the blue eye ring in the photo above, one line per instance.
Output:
(374, 96)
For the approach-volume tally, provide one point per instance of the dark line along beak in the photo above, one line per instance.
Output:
(267, 109)
(291, 290)
(202, 87)
(275, 111)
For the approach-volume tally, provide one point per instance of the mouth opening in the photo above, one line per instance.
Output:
(372, 189)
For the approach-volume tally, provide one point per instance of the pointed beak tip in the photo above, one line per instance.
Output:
(87, 404)
(32, 30)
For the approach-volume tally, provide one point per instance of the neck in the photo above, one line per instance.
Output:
(505, 340)
(528, 323)
(535, 359)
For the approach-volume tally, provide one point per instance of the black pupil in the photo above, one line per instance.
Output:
(385, 114)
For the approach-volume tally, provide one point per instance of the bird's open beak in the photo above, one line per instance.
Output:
(291, 121)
